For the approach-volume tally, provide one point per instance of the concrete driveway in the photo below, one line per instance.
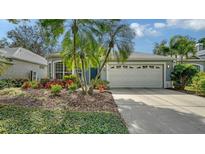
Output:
(160, 111)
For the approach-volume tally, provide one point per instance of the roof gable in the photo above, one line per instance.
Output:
(23, 54)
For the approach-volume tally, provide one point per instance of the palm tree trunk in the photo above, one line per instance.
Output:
(84, 77)
(74, 29)
(100, 70)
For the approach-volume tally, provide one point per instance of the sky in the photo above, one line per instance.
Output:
(148, 31)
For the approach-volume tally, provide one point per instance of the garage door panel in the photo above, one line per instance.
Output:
(140, 76)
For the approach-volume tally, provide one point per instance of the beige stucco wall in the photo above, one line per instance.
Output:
(22, 69)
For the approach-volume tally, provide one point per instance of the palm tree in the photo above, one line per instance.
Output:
(162, 48)
(78, 37)
(183, 46)
(116, 37)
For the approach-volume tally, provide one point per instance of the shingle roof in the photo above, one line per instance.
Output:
(133, 56)
(147, 56)
(23, 54)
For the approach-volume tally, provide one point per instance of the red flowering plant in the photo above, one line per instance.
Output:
(49, 84)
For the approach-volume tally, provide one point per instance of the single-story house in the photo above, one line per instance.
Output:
(25, 64)
(139, 71)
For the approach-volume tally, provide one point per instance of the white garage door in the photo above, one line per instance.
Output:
(139, 76)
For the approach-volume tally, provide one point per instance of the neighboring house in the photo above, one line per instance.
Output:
(199, 60)
(139, 71)
(25, 64)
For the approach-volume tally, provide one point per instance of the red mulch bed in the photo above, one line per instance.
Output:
(72, 102)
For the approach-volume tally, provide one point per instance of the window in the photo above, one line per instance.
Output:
(112, 67)
(33, 76)
(59, 70)
(118, 66)
(157, 67)
(131, 67)
(138, 67)
(144, 67)
(125, 66)
(151, 66)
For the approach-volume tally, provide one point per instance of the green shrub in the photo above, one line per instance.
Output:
(100, 82)
(56, 89)
(70, 77)
(182, 75)
(8, 83)
(198, 83)
(43, 81)
(3, 84)
(34, 84)
(72, 87)
(26, 85)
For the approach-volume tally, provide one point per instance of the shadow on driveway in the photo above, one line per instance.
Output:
(143, 118)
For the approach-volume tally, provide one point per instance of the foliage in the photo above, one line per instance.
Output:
(18, 120)
(31, 37)
(182, 75)
(72, 87)
(35, 84)
(44, 81)
(162, 48)
(4, 64)
(182, 46)
(198, 83)
(26, 85)
(56, 89)
(54, 82)
(71, 77)
(100, 83)
(87, 42)
(7, 83)
(11, 92)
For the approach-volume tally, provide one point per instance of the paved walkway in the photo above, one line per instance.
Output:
(160, 111)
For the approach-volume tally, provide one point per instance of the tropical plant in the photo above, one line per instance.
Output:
(198, 83)
(183, 46)
(56, 89)
(116, 38)
(162, 48)
(182, 75)
(89, 43)
(72, 87)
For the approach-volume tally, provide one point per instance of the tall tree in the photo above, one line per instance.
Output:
(33, 37)
(4, 43)
(76, 34)
(116, 37)
(184, 46)
(162, 48)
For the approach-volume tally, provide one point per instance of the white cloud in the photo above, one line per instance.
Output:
(193, 24)
(159, 25)
(143, 30)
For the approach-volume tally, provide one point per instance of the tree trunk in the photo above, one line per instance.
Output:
(74, 30)
(100, 70)
(84, 77)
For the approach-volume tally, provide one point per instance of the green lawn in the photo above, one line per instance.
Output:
(21, 120)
